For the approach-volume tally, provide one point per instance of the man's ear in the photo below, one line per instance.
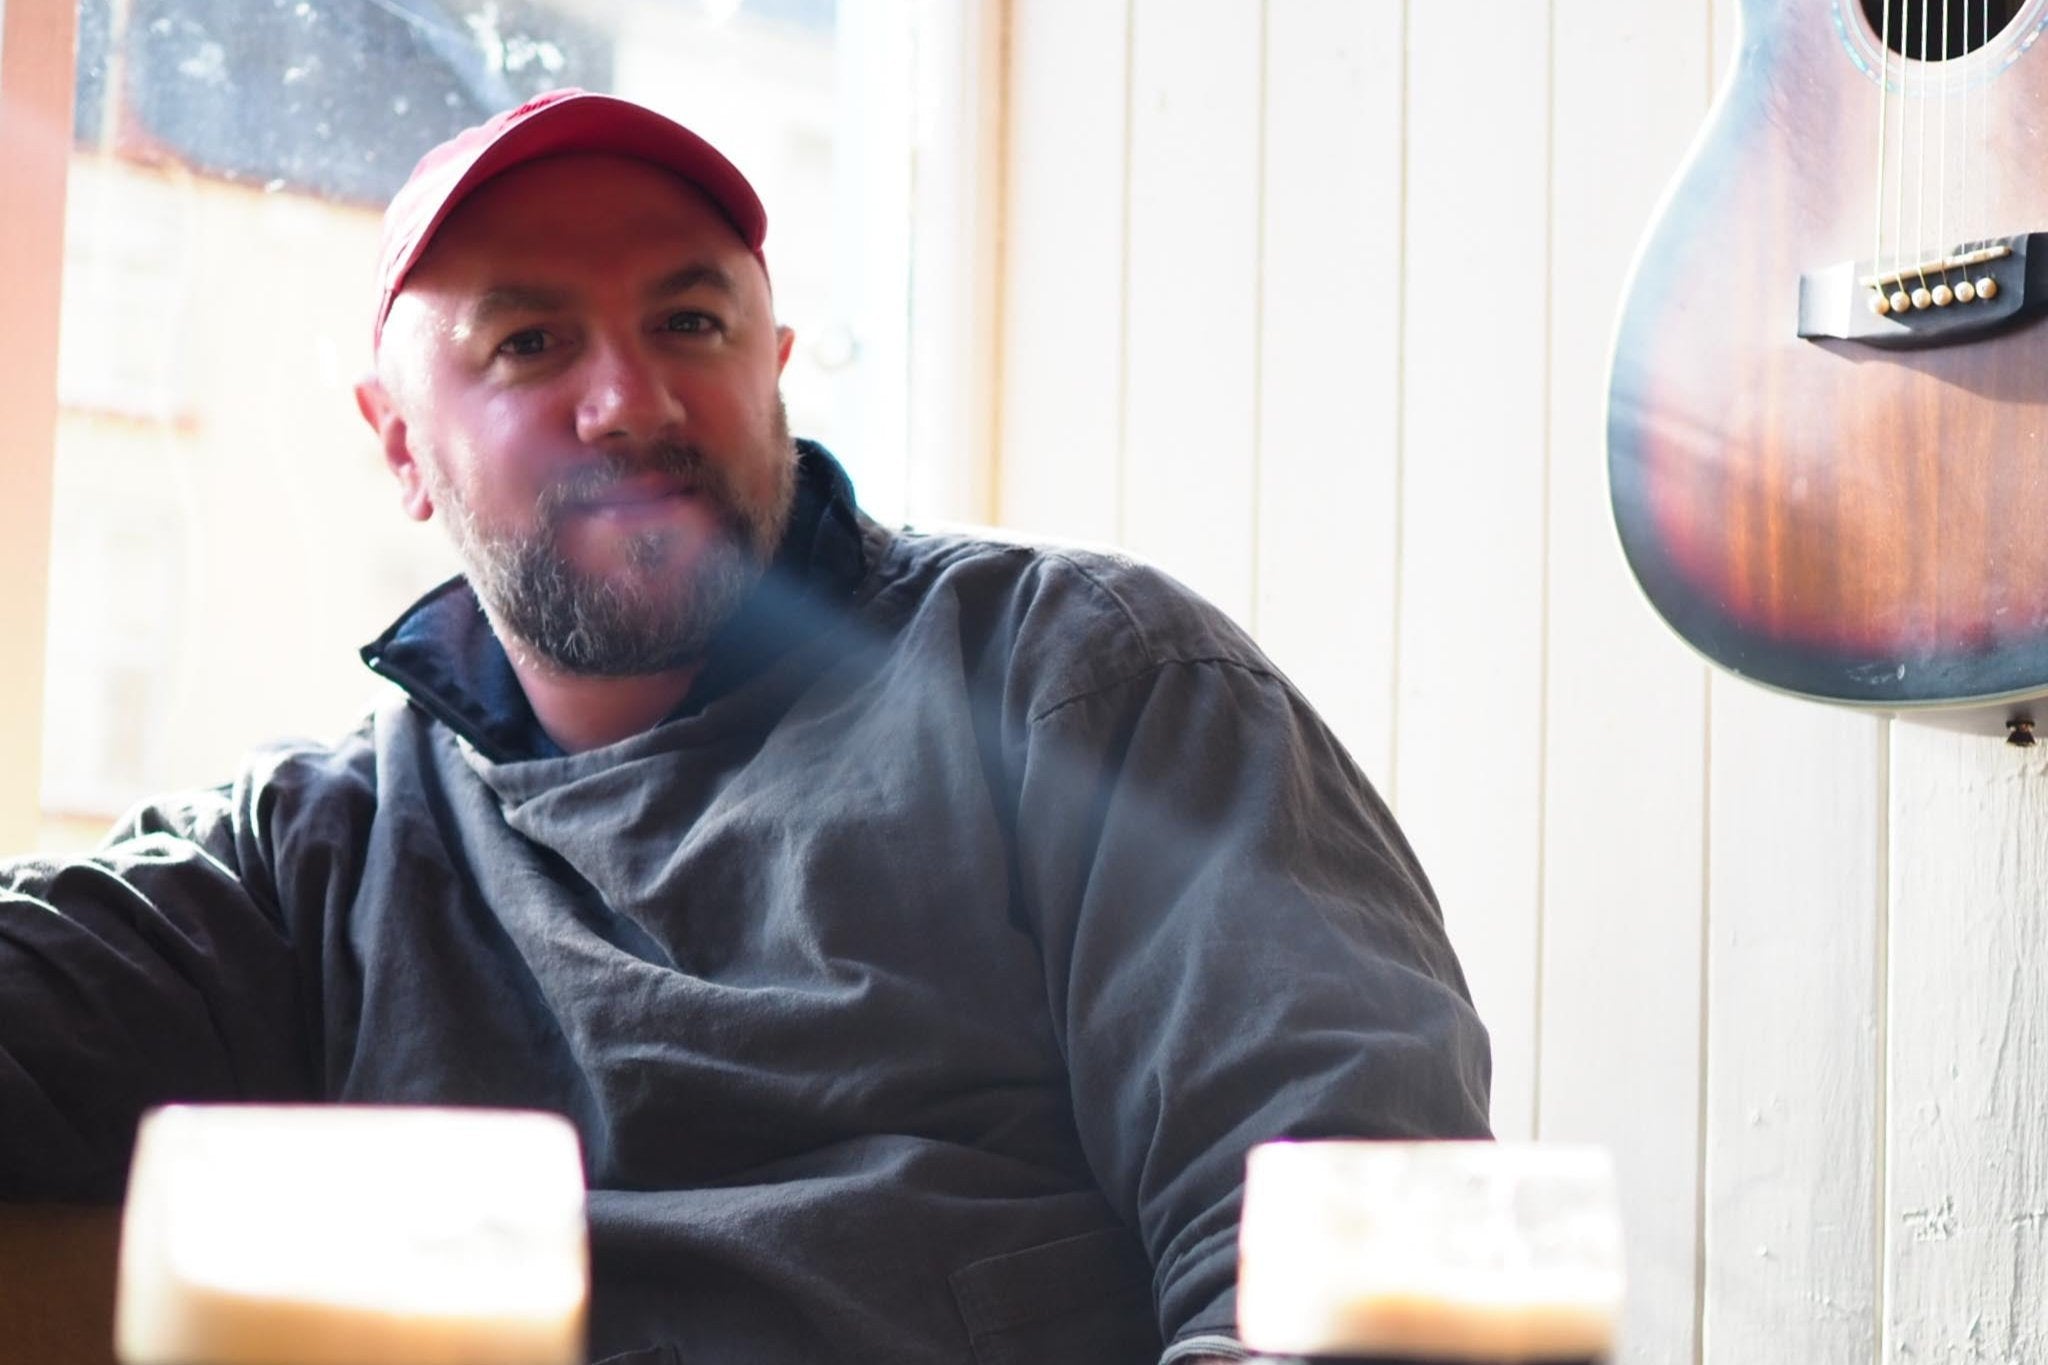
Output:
(785, 339)
(374, 401)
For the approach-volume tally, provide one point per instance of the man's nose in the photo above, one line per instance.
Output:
(626, 396)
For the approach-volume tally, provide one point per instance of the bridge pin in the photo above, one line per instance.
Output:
(1965, 292)
(1943, 296)
(1879, 304)
(1901, 302)
(1921, 298)
(1987, 288)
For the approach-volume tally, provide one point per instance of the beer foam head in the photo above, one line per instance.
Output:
(1431, 1250)
(332, 1235)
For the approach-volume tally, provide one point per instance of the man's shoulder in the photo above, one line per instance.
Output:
(1065, 578)
(1081, 616)
(278, 785)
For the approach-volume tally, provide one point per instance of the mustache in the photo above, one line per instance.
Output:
(594, 478)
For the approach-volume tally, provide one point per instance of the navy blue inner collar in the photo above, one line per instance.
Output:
(443, 653)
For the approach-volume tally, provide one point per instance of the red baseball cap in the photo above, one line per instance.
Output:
(548, 125)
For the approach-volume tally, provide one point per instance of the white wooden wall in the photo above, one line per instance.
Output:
(1309, 301)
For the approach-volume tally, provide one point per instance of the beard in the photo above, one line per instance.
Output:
(660, 616)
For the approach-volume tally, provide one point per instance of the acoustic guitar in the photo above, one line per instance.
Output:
(1828, 408)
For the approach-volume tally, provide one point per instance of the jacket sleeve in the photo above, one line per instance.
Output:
(157, 969)
(1239, 946)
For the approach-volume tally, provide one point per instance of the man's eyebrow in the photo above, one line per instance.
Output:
(509, 299)
(512, 298)
(704, 275)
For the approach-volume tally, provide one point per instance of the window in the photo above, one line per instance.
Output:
(223, 533)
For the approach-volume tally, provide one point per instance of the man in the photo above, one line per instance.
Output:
(919, 930)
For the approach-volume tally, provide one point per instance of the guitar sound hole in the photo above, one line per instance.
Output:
(1939, 30)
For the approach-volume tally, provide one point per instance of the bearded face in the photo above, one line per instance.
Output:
(582, 376)
(656, 611)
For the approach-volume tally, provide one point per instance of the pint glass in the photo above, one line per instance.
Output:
(1461, 1253)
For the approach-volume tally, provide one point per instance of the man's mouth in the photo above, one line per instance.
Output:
(640, 492)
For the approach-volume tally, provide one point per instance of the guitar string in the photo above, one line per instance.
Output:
(1920, 178)
(1972, 194)
(1897, 264)
(1963, 156)
(1884, 65)
(1941, 177)
(1984, 134)
(1981, 217)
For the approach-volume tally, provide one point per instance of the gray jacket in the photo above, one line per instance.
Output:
(916, 991)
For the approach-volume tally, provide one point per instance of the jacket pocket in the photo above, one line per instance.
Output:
(1083, 1300)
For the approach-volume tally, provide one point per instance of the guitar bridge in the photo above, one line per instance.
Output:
(1969, 292)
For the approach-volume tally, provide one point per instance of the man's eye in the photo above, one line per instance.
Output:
(690, 321)
(532, 341)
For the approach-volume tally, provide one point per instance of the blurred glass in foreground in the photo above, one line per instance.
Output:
(1478, 1253)
(349, 1234)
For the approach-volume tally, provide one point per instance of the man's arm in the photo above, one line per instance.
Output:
(156, 970)
(1239, 947)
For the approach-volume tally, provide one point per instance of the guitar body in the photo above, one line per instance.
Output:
(1847, 521)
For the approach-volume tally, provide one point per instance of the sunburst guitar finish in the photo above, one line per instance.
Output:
(1828, 413)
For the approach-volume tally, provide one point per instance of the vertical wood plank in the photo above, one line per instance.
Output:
(1793, 1058)
(956, 139)
(1191, 354)
(871, 249)
(1329, 396)
(1727, 22)
(1062, 271)
(1469, 729)
(36, 74)
(1625, 783)
(1966, 1142)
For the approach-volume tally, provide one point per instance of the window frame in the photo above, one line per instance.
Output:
(951, 112)
(37, 42)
